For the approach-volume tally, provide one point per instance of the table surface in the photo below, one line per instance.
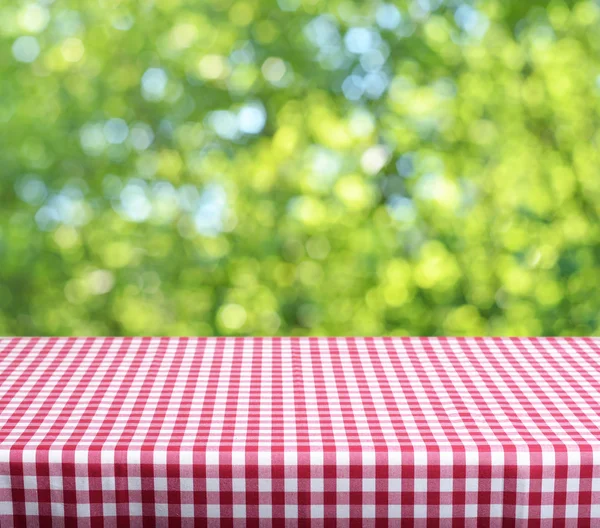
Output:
(268, 430)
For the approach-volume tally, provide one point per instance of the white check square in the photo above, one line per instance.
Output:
(108, 483)
(471, 484)
(316, 458)
(30, 482)
(212, 484)
(573, 485)
(547, 485)
(420, 485)
(316, 485)
(238, 458)
(187, 511)
(445, 485)
(212, 458)
(572, 511)
(161, 510)
(238, 484)
(496, 510)
(368, 458)
(395, 485)
(368, 485)
(497, 485)
(160, 484)
(186, 484)
(342, 458)
(343, 485)
(264, 458)
(57, 509)
(368, 511)
(264, 485)
(134, 483)
(523, 459)
(497, 458)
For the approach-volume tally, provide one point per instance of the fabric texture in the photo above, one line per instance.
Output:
(299, 431)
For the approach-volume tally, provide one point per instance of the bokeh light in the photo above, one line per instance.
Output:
(293, 167)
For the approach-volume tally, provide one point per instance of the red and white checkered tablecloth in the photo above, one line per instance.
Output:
(299, 431)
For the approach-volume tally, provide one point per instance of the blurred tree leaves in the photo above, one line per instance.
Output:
(298, 167)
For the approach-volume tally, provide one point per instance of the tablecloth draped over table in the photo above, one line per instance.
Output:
(283, 431)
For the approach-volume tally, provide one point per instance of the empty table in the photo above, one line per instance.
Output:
(299, 431)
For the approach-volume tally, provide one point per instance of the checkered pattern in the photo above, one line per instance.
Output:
(277, 432)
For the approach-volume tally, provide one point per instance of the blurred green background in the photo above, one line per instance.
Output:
(299, 167)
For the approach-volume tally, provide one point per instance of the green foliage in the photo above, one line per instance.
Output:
(299, 167)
